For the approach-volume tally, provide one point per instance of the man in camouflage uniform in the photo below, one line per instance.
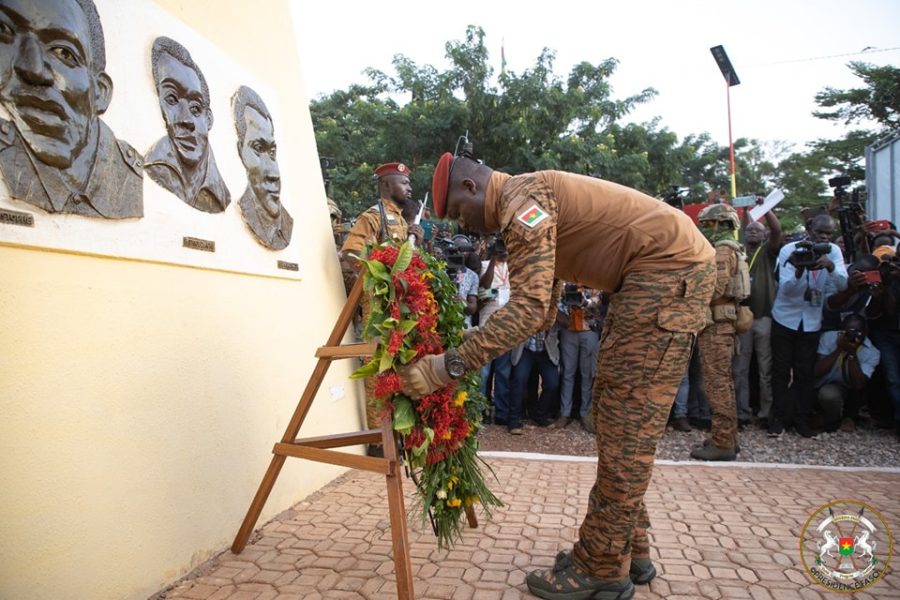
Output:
(370, 228)
(720, 224)
(611, 238)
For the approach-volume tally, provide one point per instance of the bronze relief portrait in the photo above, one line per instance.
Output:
(260, 204)
(183, 161)
(55, 151)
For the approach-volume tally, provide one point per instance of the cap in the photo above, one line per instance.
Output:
(439, 184)
(394, 168)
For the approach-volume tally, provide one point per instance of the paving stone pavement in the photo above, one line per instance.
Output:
(718, 532)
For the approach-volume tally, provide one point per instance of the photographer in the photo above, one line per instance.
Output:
(457, 254)
(846, 360)
(884, 312)
(493, 294)
(863, 286)
(579, 344)
(808, 271)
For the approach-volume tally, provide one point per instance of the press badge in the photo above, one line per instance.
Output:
(814, 297)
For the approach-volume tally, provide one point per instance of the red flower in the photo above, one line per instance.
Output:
(387, 384)
(384, 254)
(395, 342)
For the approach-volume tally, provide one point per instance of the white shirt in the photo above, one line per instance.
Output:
(792, 308)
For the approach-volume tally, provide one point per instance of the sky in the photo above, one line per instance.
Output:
(778, 50)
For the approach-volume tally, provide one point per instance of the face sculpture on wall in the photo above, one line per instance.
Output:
(56, 153)
(183, 161)
(261, 203)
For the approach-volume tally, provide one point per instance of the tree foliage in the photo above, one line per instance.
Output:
(535, 119)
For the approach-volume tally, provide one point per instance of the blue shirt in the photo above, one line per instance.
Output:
(792, 307)
(867, 355)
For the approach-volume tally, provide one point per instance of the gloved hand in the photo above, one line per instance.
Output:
(424, 376)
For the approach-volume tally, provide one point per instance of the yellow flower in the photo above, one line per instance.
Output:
(461, 397)
(454, 502)
(470, 500)
(453, 481)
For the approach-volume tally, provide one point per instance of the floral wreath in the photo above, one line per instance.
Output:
(414, 312)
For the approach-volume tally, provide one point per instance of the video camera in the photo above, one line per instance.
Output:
(807, 254)
(453, 253)
(572, 296)
(850, 209)
(674, 197)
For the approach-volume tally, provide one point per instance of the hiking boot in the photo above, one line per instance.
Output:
(587, 423)
(516, 431)
(713, 453)
(561, 423)
(565, 582)
(708, 442)
(681, 424)
(642, 571)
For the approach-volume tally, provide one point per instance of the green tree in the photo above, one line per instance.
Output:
(525, 122)
(879, 101)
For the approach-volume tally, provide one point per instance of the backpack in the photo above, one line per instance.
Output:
(739, 285)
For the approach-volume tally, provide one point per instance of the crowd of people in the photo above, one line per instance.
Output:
(820, 352)
(596, 289)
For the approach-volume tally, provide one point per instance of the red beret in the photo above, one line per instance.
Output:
(439, 184)
(394, 168)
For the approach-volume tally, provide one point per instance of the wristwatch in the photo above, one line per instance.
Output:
(454, 363)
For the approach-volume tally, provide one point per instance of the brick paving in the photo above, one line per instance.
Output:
(718, 532)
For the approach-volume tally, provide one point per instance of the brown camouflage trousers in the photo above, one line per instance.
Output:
(716, 351)
(647, 342)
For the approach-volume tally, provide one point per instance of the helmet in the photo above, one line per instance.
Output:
(720, 213)
(333, 209)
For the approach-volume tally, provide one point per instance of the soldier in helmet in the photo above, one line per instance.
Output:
(720, 225)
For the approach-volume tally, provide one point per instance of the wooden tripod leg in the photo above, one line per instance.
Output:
(293, 428)
(397, 510)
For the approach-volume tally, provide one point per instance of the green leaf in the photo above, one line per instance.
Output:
(387, 361)
(367, 370)
(404, 415)
(404, 256)
(378, 270)
(406, 355)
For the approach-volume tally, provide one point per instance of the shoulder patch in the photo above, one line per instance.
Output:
(532, 216)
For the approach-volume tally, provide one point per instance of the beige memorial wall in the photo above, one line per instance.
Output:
(166, 281)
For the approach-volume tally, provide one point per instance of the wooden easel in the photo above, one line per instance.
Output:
(319, 449)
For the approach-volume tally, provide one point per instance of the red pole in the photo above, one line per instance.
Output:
(730, 142)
